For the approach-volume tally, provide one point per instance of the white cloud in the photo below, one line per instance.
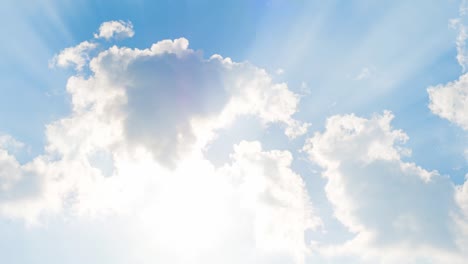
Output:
(390, 205)
(115, 29)
(450, 101)
(76, 56)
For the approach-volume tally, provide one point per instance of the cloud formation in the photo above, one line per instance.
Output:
(132, 148)
(172, 99)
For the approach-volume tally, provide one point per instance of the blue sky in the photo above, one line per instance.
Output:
(297, 93)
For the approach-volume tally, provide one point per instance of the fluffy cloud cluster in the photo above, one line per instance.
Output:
(132, 147)
(398, 211)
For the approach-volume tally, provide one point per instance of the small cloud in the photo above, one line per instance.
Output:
(115, 29)
(363, 75)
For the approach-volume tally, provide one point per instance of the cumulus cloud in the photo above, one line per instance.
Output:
(170, 98)
(166, 99)
(450, 101)
(132, 148)
(390, 205)
(115, 29)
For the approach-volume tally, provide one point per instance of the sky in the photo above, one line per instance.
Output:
(260, 131)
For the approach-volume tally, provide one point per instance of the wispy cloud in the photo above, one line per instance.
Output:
(460, 25)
